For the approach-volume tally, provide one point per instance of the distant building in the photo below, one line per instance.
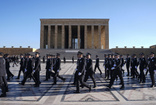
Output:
(74, 34)
(153, 46)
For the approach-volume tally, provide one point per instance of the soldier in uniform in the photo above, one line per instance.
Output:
(143, 65)
(89, 69)
(127, 64)
(57, 68)
(117, 72)
(122, 64)
(21, 66)
(7, 64)
(37, 69)
(97, 65)
(28, 70)
(3, 81)
(48, 67)
(106, 67)
(134, 66)
(80, 73)
(152, 67)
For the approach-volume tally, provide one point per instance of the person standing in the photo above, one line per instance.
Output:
(57, 68)
(43, 59)
(127, 64)
(21, 66)
(37, 69)
(80, 73)
(89, 69)
(97, 65)
(152, 67)
(3, 81)
(64, 59)
(117, 72)
(73, 59)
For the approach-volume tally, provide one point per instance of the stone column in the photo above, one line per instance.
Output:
(99, 29)
(49, 36)
(92, 30)
(63, 38)
(55, 37)
(42, 36)
(85, 36)
(107, 37)
(69, 46)
(78, 36)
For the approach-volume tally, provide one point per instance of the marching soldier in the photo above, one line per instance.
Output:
(21, 66)
(134, 66)
(48, 67)
(80, 73)
(57, 68)
(106, 67)
(97, 65)
(89, 69)
(143, 65)
(127, 64)
(122, 64)
(7, 64)
(152, 67)
(37, 69)
(117, 72)
(28, 70)
(3, 81)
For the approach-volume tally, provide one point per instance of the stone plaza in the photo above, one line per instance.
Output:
(62, 93)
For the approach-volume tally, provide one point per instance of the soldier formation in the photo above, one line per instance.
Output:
(30, 66)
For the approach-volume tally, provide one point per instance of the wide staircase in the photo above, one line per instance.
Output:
(69, 53)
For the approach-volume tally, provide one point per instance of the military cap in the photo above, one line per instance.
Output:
(116, 54)
(96, 55)
(142, 54)
(37, 53)
(127, 54)
(134, 54)
(88, 54)
(79, 53)
(152, 53)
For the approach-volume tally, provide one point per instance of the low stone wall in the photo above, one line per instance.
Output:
(17, 51)
(137, 51)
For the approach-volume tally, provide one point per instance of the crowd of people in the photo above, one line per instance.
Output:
(30, 66)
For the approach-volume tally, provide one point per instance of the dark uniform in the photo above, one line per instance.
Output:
(106, 67)
(37, 70)
(80, 73)
(152, 67)
(48, 67)
(21, 67)
(89, 70)
(3, 81)
(28, 70)
(57, 68)
(97, 65)
(134, 65)
(7, 62)
(143, 65)
(127, 64)
(117, 72)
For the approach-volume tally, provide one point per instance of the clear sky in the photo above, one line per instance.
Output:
(132, 22)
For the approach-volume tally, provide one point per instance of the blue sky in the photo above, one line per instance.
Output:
(132, 22)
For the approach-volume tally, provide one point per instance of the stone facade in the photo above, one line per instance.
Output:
(74, 34)
(16, 51)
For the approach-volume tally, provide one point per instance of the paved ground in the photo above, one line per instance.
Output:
(62, 93)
